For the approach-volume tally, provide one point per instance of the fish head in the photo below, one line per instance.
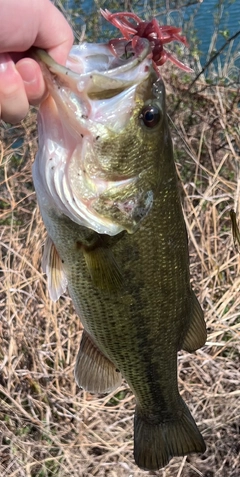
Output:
(103, 134)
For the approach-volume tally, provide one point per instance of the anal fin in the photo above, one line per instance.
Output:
(53, 267)
(196, 334)
(93, 371)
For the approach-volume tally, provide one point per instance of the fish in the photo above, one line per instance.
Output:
(108, 193)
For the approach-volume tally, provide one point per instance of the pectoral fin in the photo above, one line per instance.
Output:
(53, 267)
(93, 371)
(103, 268)
(196, 334)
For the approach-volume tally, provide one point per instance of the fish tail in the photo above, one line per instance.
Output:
(156, 443)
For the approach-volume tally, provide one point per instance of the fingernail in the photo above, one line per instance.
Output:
(27, 71)
(6, 63)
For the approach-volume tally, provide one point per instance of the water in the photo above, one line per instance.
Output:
(199, 21)
(210, 17)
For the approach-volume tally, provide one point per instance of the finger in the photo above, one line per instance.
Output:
(55, 34)
(44, 26)
(33, 80)
(13, 98)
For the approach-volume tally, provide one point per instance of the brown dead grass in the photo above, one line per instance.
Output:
(48, 427)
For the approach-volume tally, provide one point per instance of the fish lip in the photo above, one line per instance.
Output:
(142, 51)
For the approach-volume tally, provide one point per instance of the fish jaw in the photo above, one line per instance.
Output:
(93, 99)
(50, 173)
(94, 73)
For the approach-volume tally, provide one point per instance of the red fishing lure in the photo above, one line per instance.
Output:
(157, 35)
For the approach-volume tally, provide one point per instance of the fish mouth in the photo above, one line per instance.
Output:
(100, 70)
(94, 96)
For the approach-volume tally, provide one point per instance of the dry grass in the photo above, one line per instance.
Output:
(47, 426)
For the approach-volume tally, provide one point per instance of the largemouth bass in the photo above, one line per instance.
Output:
(107, 189)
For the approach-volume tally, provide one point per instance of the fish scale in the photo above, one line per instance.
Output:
(131, 290)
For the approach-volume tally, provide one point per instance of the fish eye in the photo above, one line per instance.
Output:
(150, 115)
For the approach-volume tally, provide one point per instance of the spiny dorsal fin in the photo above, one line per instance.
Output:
(196, 334)
(53, 267)
(103, 268)
(93, 371)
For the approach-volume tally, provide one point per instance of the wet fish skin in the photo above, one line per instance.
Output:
(145, 311)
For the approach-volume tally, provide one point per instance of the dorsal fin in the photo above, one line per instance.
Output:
(53, 267)
(196, 334)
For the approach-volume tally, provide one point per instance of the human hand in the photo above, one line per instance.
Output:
(26, 23)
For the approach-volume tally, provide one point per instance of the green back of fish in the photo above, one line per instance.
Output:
(141, 321)
(133, 295)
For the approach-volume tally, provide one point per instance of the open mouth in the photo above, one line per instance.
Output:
(100, 70)
(93, 98)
